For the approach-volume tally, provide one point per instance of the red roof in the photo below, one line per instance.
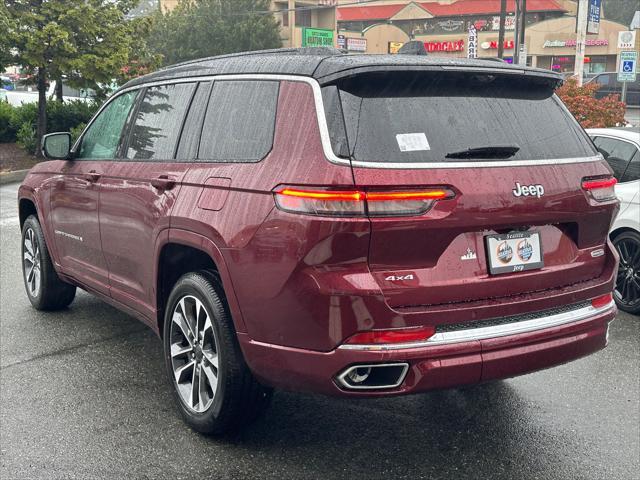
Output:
(480, 7)
(379, 12)
(461, 7)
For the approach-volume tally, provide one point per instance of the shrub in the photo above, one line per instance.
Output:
(62, 117)
(76, 132)
(589, 111)
(7, 132)
(26, 138)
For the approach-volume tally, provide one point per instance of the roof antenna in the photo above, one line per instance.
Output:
(414, 47)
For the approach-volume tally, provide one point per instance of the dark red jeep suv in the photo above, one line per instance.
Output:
(353, 225)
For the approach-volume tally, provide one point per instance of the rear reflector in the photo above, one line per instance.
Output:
(600, 189)
(358, 203)
(402, 335)
(602, 301)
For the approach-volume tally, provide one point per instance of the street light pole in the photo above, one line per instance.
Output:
(503, 17)
(581, 37)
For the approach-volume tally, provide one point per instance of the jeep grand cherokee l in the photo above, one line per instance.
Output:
(352, 225)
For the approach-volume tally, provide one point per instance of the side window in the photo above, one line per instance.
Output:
(158, 121)
(240, 121)
(102, 138)
(190, 138)
(616, 152)
(633, 170)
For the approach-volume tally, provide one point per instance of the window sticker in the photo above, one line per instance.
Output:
(412, 142)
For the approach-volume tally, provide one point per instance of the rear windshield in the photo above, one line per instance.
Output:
(410, 117)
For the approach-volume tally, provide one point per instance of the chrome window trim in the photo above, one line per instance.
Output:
(343, 383)
(324, 129)
(496, 331)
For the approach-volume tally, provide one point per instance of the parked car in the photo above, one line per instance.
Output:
(609, 84)
(350, 225)
(621, 148)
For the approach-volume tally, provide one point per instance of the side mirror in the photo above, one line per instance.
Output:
(57, 146)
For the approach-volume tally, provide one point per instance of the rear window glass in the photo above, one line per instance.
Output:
(410, 118)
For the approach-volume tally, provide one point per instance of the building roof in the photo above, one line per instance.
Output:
(327, 65)
(461, 7)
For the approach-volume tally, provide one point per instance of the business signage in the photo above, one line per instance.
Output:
(342, 41)
(572, 43)
(593, 16)
(317, 37)
(455, 46)
(395, 46)
(627, 67)
(356, 44)
(493, 45)
(509, 23)
(627, 39)
(472, 43)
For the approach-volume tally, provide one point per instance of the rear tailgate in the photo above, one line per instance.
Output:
(414, 129)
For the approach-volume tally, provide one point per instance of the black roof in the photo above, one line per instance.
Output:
(328, 64)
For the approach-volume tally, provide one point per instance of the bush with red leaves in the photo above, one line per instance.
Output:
(589, 111)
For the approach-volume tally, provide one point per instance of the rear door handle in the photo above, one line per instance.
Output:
(163, 182)
(92, 176)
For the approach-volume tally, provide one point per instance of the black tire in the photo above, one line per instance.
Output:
(238, 399)
(51, 292)
(627, 292)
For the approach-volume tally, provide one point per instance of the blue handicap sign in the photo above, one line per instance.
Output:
(627, 66)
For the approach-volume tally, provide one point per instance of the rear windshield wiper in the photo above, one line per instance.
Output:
(494, 151)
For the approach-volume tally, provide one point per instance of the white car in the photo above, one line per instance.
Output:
(621, 148)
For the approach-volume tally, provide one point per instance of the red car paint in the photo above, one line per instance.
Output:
(298, 285)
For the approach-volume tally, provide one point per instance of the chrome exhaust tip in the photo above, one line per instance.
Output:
(373, 376)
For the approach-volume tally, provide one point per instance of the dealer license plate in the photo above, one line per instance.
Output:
(514, 252)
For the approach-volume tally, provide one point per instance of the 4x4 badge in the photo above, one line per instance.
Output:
(470, 255)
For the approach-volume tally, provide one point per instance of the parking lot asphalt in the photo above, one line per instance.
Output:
(83, 395)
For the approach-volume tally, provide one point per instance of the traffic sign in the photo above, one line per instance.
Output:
(627, 67)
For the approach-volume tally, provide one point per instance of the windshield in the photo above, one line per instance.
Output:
(409, 118)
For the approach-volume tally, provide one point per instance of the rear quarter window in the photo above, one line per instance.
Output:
(418, 118)
(239, 124)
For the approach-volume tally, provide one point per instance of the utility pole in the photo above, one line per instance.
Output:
(581, 36)
(292, 21)
(521, 11)
(503, 19)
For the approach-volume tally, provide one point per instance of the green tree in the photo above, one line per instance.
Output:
(213, 27)
(5, 39)
(620, 11)
(86, 41)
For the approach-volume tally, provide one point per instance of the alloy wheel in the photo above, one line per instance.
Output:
(31, 263)
(627, 290)
(194, 354)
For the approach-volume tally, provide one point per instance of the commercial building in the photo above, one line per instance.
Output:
(382, 27)
(306, 22)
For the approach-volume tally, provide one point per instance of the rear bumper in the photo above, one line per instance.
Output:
(472, 356)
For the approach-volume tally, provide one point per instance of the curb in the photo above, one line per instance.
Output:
(13, 177)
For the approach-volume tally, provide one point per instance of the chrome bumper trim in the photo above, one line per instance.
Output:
(483, 333)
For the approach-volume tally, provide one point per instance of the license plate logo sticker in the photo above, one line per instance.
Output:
(525, 250)
(504, 252)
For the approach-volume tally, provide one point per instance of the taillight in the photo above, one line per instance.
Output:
(602, 301)
(398, 335)
(600, 189)
(358, 203)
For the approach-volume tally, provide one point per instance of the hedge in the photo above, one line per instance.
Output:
(16, 122)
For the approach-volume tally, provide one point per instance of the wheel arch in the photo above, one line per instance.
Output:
(182, 251)
(614, 233)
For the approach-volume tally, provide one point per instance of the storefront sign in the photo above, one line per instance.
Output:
(593, 16)
(627, 39)
(395, 46)
(509, 23)
(357, 44)
(627, 68)
(342, 41)
(317, 37)
(572, 43)
(508, 45)
(472, 43)
(456, 46)
(451, 25)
